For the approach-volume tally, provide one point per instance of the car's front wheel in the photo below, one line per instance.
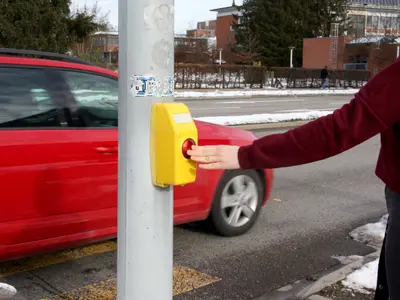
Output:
(237, 202)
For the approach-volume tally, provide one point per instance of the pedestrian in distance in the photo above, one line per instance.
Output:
(374, 110)
(325, 77)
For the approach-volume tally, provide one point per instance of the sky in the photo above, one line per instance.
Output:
(187, 12)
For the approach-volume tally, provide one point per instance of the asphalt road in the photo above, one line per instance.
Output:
(306, 222)
(296, 236)
(257, 105)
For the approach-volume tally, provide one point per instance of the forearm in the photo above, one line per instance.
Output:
(317, 140)
(374, 109)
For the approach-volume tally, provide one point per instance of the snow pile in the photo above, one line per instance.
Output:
(265, 118)
(345, 260)
(7, 291)
(371, 234)
(262, 92)
(364, 279)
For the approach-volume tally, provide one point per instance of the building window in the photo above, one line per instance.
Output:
(373, 21)
(112, 40)
(99, 41)
(357, 25)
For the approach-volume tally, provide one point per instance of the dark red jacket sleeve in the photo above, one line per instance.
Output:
(373, 109)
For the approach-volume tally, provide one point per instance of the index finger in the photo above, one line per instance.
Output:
(203, 151)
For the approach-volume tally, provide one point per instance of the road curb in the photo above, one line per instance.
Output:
(248, 97)
(279, 125)
(302, 289)
(335, 276)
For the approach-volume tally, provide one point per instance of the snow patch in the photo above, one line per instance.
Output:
(265, 118)
(364, 279)
(371, 234)
(262, 92)
(345, 260)
(7, 291)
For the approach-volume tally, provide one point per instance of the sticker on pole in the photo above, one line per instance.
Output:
(150, 86)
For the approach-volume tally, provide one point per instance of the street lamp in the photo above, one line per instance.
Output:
(291, 56)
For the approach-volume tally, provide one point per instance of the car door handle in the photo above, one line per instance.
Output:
(107, 150)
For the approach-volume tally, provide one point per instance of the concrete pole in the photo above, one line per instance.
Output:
(145, 213)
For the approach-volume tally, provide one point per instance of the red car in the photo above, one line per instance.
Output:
(59, 189)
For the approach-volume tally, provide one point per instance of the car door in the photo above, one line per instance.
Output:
(38, 161)
(92, 105)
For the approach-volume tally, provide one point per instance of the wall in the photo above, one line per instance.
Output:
(225, 37)
(317, 52)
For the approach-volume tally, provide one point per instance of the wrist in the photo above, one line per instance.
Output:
(245, 158)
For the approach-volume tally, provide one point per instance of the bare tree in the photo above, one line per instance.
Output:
(193, 50)
(249, 49)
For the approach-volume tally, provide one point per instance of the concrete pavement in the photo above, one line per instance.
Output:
(258, 105)
(307, 220)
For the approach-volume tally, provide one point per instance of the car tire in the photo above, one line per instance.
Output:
(246, 198)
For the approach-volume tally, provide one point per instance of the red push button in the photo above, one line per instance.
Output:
(187, 145)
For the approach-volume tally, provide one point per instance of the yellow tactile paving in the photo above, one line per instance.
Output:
(185, 280)
(32, 263)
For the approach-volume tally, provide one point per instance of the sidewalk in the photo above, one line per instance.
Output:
(250, 93)
(358, 283)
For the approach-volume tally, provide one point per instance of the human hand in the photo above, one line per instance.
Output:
(215, 157)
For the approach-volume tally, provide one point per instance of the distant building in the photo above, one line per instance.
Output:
(373, 23)
(204, 29)
(317, 52)
(226, 17)
(106, 40)
(374, 17)
(187, 49)
(372, 53)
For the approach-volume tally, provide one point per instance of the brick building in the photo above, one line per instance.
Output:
(226, 17)
(373, 53)
(372, 20)
(204, 29)
(317, 52)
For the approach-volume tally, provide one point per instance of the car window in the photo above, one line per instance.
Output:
(97, 97)
(25, 100)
